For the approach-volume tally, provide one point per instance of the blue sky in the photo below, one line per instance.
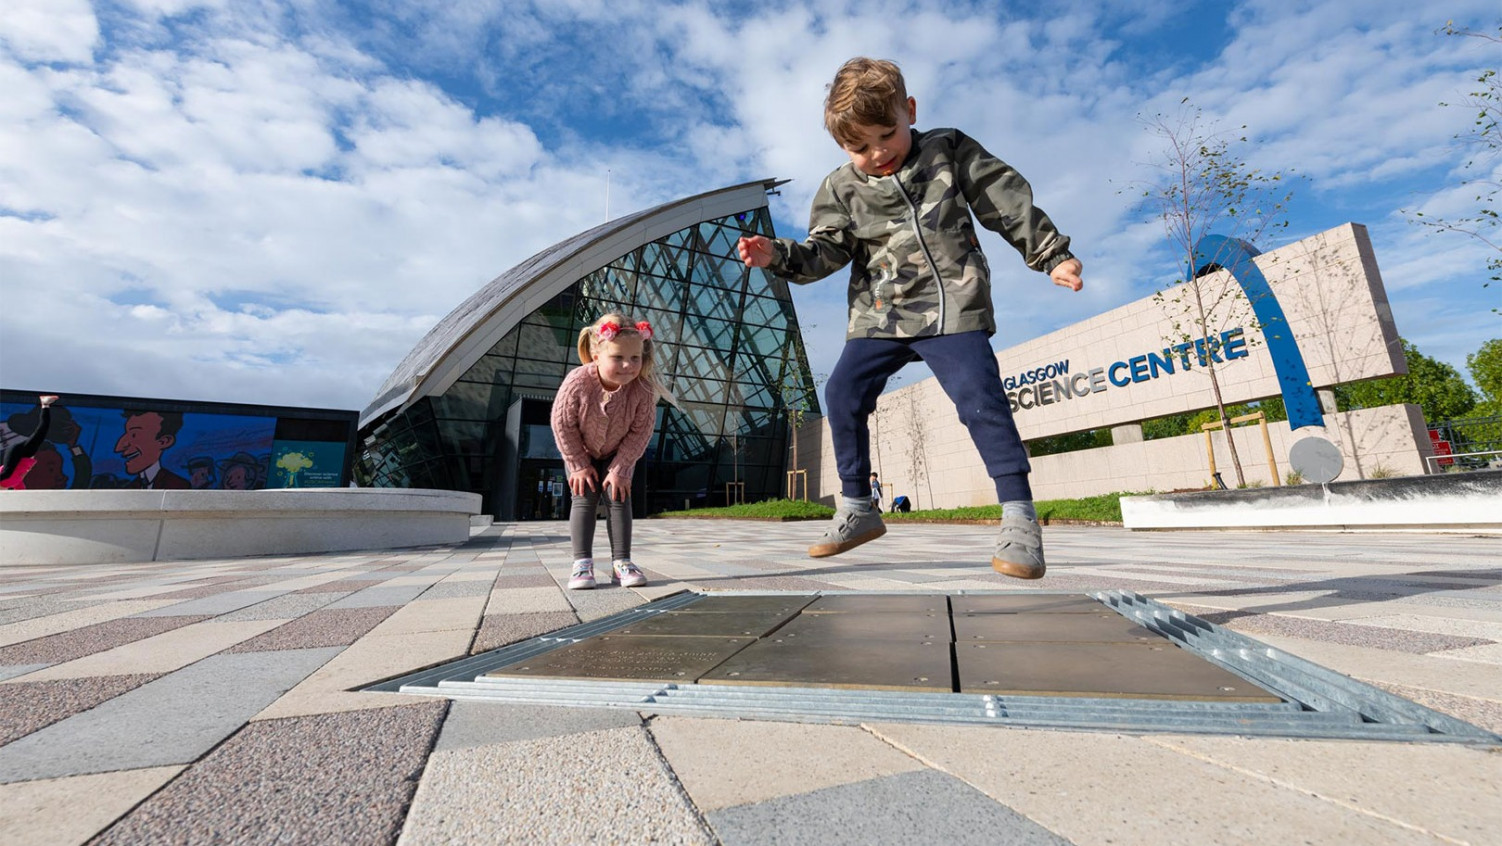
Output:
(271, 201)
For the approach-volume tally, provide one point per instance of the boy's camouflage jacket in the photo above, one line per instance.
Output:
(916, 266)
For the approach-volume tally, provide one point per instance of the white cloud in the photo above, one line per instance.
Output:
(49, 30)
(266, 202)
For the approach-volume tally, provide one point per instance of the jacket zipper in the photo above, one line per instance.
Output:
(927, 256)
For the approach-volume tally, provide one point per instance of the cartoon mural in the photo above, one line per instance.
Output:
(97, 446)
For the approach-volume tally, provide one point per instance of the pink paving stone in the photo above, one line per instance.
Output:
(324, 627)
(30, 706)
(343, 778)
(66, 646)
(497, 630)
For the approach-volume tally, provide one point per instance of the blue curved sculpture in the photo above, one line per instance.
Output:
(1235, 256)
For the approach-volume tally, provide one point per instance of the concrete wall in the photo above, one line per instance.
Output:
(1457, 502)
(116, 526)
(1332, 296)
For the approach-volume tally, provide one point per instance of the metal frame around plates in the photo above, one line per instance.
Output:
(1318, 703)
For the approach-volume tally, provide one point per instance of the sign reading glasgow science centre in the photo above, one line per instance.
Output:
(1054, 382)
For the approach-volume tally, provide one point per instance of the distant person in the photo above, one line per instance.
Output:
(603, 419)
(20, 458)
(875, 491)
(149, 434)
(920, 289)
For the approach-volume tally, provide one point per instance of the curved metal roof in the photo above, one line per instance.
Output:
(453, 346)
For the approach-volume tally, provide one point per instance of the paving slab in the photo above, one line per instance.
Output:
(918, 807)
(172, 720)
(365, 662)
(162, 653)
(597, 787)
(70, 811)
(771, 760)
(1112, 789)
(68, 620)
(334, 778)
(489, 723)
(1405, 785)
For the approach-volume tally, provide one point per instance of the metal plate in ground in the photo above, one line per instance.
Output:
(1103, 627)
(865, 603)
(848, 664)
(679, 624)
(1020, 603)
(781, 603)
(1139, 671)
(902, 627)
(626, 658)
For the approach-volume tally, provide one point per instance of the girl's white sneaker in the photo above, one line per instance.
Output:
(583, 577)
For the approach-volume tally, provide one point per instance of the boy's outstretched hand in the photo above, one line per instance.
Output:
(1066, 274)
(755, 251)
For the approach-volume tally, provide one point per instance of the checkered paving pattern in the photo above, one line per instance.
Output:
(215, 701)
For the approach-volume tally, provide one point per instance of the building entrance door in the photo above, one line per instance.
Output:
(543, 491)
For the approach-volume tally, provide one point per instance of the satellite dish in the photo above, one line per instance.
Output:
(1316, 459)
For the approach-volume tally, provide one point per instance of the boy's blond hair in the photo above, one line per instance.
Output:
(865, 92)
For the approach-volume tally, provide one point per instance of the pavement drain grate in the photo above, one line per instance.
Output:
(1158, 670)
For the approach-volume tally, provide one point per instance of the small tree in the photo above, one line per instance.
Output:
(1485, 146)
(1485, 365)
(797, 392)
(917, 434)
(1205, 188)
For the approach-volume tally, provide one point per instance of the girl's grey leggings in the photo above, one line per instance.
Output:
(582, 516)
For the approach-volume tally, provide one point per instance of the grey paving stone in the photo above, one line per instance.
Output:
(497, 630)
(537, 578)
(172, 720)
(382, 595)
(286, 606)
(1398, 640)
(30, 609)
(14, 670)
(30, 706)
(219, 603)
(451, 590)
(344, 778)
(76, 643)
(917, 807)
(483, 723)
(324, 627)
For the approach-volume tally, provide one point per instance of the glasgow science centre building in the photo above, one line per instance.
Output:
(468, 408)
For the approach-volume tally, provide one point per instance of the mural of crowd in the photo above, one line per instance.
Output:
(144, 448)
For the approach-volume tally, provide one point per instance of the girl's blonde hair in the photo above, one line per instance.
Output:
(612, 326)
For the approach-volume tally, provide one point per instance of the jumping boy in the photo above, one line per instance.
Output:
(900, 213)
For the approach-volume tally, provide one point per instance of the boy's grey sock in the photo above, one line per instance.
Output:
(1019, 508)
(860, 505)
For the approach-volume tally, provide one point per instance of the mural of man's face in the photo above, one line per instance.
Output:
(143, 443)
(201, 477)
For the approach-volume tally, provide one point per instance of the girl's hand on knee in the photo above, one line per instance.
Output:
(581, 481)
(615, 488)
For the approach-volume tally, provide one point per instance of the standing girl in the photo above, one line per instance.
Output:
(603, 418)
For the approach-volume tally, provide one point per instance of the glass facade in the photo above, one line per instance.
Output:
(728, 345)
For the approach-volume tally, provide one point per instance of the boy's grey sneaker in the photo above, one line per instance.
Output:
(1019, 549)
(849, 530)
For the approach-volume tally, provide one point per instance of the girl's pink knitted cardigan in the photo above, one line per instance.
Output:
(590, 422)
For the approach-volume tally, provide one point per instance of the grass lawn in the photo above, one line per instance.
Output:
(1105, 508)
